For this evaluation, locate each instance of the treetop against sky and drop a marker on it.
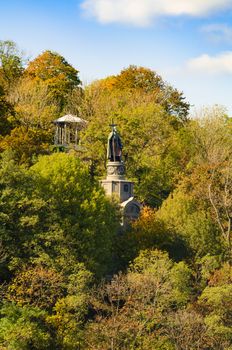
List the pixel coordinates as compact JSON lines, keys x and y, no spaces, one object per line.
{"x":188,"y":42}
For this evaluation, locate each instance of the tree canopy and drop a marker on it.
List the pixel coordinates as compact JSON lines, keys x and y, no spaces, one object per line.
{"x":70,"y":276}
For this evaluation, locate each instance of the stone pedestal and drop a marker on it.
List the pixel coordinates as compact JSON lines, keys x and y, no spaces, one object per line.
{"x":115,"y":182}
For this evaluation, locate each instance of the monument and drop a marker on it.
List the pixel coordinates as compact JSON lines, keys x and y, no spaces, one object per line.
{"x":116,"y":183}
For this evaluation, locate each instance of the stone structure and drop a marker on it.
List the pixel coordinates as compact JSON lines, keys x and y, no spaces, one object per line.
{"x":116,"y":183}
{"x":67,"y":131}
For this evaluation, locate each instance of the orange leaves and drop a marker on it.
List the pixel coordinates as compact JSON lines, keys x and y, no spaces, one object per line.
{"x":222,"y":276}
{"x":53,"y":68}
{"x":36,"y":286}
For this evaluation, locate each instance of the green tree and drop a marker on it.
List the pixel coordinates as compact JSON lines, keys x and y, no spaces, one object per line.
{"x":24,"y":328}
{"x":199,"y":209}
{"x":11,"y":63}
{"x":216,"y":303}
{"x":19,"y":212}
{"x":83,"y":212}
{"x":190,"y":219}
{"x":6,"y":113}
{"x":70,"y":312}
{"x":148,"y":84}
{"x":131,"y":309}
{"x":149,"y":232}
{"x":26,"y":143}
{"x":54,"y":212}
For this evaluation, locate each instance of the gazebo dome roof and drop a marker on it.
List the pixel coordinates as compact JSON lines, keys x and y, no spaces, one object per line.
{"x":70,"y":118}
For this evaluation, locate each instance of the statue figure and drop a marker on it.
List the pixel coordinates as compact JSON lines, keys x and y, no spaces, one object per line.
{"x":114,"y":148}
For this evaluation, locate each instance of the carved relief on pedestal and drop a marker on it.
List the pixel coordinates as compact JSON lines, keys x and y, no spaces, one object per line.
{"x":115,"y":169}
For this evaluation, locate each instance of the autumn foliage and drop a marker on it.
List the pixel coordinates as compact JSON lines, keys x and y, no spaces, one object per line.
{"x":71,"y":277}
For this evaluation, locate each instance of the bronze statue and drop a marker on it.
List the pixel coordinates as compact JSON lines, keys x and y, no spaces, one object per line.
{"x":114,"y":148}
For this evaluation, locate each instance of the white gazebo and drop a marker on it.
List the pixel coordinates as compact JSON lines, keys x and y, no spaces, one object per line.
{"x":67,"y":130}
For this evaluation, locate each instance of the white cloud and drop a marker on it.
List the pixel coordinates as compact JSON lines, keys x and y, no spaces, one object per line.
{"x":220,"y":64}
{"x":218,"y":32}
{"x":142,"y":12}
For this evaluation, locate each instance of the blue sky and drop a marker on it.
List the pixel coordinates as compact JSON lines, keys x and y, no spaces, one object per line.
{"x":188,"y":42}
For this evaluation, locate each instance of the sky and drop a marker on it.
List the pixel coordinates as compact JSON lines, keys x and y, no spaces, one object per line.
{"x":187,"y":42}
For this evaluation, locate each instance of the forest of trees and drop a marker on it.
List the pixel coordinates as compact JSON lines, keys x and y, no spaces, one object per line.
{"x":69,"y":280}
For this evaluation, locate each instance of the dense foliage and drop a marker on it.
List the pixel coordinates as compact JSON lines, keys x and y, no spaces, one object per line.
{"x":70,"y":277}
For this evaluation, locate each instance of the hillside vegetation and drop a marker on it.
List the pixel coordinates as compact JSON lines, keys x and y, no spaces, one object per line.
{"x":68,"y":279}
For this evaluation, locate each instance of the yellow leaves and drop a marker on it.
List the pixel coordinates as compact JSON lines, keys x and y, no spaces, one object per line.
{"x":25,"y":142}
{"x":35,"y":106}
{"x":54,"y":69}
{"x":36,"y":286}
{"x":147,"y":213}
{"x":29,"y":221}
{"x":149,"y":231}
{"x":107,"y":83}
{"x":69,"y":313}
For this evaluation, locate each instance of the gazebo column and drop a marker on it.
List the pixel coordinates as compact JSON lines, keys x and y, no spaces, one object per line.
{"x":76,"y":136}
{"x":65,"y":134}
{"x":62,"y":135}
{"x":59,"y":135}
{"x":68,"y":134}
{"x":56,"y":139}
